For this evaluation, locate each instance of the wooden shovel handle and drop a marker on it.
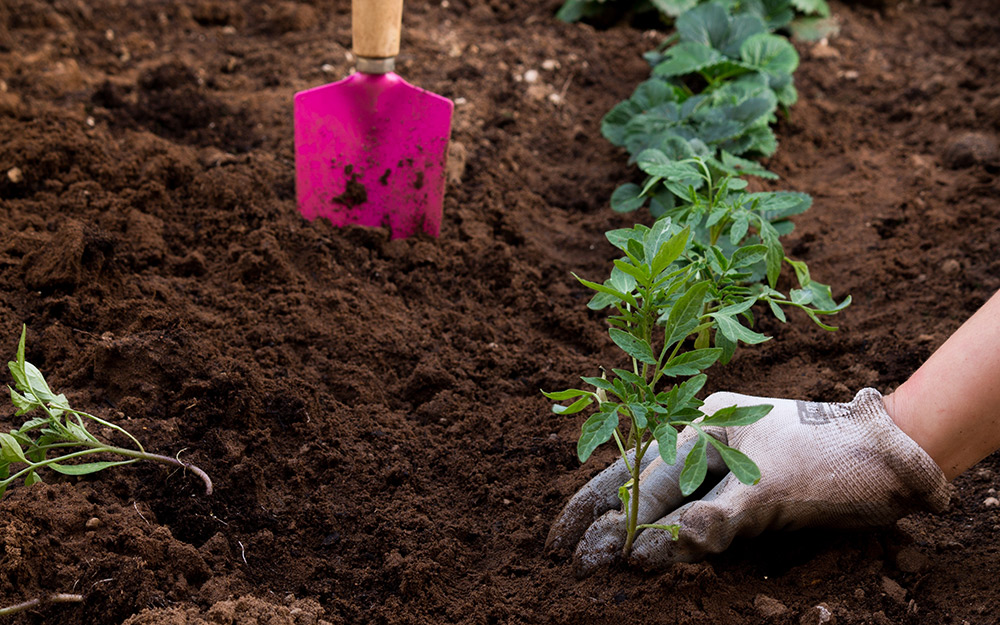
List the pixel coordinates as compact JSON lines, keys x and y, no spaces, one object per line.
{"x":376,"y":25}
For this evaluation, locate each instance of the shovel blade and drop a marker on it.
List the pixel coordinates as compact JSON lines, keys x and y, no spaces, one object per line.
{"x":371,"y":150}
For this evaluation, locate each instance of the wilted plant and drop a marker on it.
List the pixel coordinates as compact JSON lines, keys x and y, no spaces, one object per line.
{"x":60,"y":434}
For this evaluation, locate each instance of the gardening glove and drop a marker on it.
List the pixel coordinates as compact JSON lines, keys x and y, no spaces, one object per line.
{"x":821,"y":464}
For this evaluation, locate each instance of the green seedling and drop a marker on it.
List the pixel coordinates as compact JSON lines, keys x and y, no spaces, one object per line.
{"x":60,"y":434}
{"x":678,"y":305}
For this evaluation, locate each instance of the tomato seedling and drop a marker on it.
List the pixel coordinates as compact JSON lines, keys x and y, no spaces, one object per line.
{"x":679,"y":303}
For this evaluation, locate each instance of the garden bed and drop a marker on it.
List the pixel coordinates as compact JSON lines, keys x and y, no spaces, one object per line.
{"x":369,"y":409}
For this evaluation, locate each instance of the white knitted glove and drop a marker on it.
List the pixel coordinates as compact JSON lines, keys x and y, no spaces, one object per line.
{"x":832,"y":465}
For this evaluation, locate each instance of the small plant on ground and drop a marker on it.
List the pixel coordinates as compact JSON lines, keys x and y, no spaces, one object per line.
{"x":60,"y":434}
{"x":681,"y":300}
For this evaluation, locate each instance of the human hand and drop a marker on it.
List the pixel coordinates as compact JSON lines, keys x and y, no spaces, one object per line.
{"x":841,"y":465}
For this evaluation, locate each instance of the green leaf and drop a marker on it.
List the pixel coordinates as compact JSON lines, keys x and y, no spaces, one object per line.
{"x":600,"y":383}
{"x":739,"y":307}
{"x":631,"y":378}
{"x":690,"y":388}
{"x":742,"y":467}
{"x":596,"y":431}
{"x":22,"y":403}
{"x":775,"y":252}
{"x":638,"y":414}
{"x":666,"y":435}
{"x":771,"y":54}
{"x":818,"y":7}
{"x":31,"y":478}
{"x":36,"y":382}
{"x":634,"y":347}
{"x":627,"y":198}
{"x":749,"y":255}
{"x":777,"y":312}
{"x":10,"y":449}
{"x":86,"y":467}
{"x":621,"y":236}
{"x":687,"y":57}
{"x":686,"y":312}
{"x":692,"y":362}
{"x":670,"y":251}
{"x":640,"y":274}
{"x":695,"y":467}
{"x":737,"y":415}
{"x":564,"y":395}
{"x":573,"y":408}
{"x":734,"y":331}
{"x":600,"y":288}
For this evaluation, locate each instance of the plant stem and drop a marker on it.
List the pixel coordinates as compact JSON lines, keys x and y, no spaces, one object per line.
{"x":121,"y":451}
{"x":53,"y":598}
{"x":632,"y":515}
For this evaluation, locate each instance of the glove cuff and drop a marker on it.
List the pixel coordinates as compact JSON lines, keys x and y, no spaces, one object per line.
{"x":916,"y":471}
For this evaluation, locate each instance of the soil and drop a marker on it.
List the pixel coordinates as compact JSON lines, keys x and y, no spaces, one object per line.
{"x":369,"y":409}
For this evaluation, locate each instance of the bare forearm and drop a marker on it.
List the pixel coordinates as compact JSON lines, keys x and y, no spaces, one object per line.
{"x":951,"y":405}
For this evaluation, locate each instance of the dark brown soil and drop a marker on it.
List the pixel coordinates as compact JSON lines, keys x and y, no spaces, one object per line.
{"x":368,"y":408}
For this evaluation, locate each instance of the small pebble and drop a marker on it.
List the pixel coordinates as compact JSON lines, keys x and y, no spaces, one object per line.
{"x":818,"y":615}
{"x":93,"y":523}
{"x":970,"y":149}
{"x":15,"y":175}
{"x":951,"y":266}
{"x":896,"y":592}
{"x":531,"y":76}
{"x":550,"y":64}
{"x":991,"y":502}
{"x":768,"y":607}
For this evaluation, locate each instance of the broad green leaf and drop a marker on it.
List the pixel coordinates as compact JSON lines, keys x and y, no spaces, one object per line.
{"x":673,"y":8}
{"x":735,"y":331}
{"x":621,"y":236}
{"x":573,"y":408}
{"x":690,"y":388}
{"x":600,"y":288}
{"x":638,"y":414}
{"x":600,"y":301}
{"x":775,"y":252}
{"x":564,"y":395}
{"x":658,"y":234}
{"x":666,"y":435}
{"x":600,"y":383}
{"x":22,"y":403}
{"x":11,"y":449}
{"x":631,"y":378}
{"x":737,"y":415}
{"x":819,"y":7}
{"x":640,"y":273}
{"x":634,"y":347}
{"x":596,"y":431}
{"x":670,"y":251}
{"x":621,"y":281}
{"x":685,"y":312}
{"x":692,"y":362}
{"x":771,"y":54}
{"x":742,"y":467}
{"x":695,"y":467}
{"x":36,"y":382}
{"x":627,"y":198}
{"x":687,"y":57}
{"x":748,"y":255}
{"x":734,"y":309}
{"x":777,"y":312}
{"x":31,"y":478}
{"x":86,"y":467}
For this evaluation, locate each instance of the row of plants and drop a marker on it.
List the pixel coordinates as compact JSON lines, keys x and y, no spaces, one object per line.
{"x":685,"y":293}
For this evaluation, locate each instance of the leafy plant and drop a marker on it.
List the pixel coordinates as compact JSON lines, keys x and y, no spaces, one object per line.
{"x":60,"y":432}
{"x":777,"y":13}
{"x":681,"y":300}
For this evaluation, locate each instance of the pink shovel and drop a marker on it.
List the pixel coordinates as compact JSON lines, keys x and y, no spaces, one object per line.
{"x":371,"y":149}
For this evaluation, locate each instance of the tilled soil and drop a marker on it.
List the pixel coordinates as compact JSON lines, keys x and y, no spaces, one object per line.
{"x":369,"y":409}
